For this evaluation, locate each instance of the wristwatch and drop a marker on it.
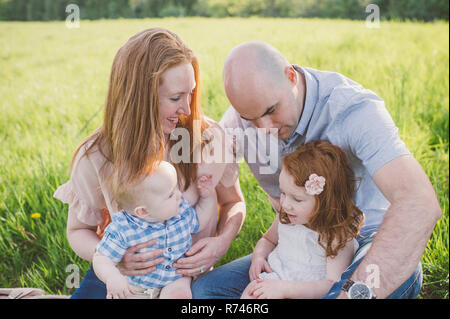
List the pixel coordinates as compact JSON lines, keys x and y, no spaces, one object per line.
{"x":358,"y":290}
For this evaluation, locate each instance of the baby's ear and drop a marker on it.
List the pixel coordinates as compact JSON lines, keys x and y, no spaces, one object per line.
{"x":140,"y":212}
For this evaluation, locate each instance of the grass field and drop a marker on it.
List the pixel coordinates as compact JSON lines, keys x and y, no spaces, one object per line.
{"x":53,"y":80}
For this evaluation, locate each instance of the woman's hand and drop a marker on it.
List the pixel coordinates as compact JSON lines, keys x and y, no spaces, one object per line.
{"x":136,"y":264}
{"x":201,"y":256}
{"x":259,"y":264}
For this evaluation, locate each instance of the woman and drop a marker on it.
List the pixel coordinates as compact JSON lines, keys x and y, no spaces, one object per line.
{"x":153,"y":89}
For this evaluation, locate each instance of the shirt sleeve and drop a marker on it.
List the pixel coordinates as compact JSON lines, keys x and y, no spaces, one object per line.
{"x":194,"y":224}
{"x":112,"y":244}
{"x":228,"y":118}
{"x":371,"y":135}
{"x":82,"y":192}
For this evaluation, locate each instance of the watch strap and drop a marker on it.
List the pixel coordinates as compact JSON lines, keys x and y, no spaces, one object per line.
{"x":347,"y":285}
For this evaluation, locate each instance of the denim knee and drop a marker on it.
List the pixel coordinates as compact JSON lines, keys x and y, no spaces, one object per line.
{"x":225,"y":282}
{"x":410,"y":289}
{"x":90,"y":287}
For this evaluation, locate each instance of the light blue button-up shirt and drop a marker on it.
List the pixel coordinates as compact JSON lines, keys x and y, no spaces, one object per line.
{"x":174,"y":238}
{"x":344,"y":113}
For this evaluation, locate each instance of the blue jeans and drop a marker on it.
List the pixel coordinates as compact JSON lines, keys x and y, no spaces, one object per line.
{"x":90,"y":287}
{"x":230,"y":280}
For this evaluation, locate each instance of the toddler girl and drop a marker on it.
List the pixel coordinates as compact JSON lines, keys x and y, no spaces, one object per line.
{"x":313,"y":238}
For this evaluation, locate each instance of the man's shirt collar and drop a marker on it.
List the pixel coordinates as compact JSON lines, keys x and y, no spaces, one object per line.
{"x":310,"y":101}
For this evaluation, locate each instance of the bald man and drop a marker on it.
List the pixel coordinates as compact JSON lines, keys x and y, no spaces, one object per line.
{"x":303,"y":104}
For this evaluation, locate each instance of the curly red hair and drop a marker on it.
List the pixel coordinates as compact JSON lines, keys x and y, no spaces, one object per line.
{"x":336,"y":217}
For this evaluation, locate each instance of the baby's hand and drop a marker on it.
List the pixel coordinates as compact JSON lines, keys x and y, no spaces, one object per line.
{"x":118,"y":288}
{"x":204,"y":185}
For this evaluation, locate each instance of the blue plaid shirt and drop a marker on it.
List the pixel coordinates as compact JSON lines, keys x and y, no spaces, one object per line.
{"x":174,"y":237}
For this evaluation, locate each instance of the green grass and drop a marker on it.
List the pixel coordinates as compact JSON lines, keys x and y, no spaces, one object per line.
{"x":54,"y":79}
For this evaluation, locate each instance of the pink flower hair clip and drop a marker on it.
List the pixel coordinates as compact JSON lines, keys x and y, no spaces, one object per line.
{"x":314,"y":185}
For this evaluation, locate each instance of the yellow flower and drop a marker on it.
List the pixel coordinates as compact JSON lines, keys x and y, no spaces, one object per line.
{"x":35,"y":215}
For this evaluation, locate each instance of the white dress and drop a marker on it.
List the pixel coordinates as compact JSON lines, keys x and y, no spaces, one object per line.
{"x":298,"y":255}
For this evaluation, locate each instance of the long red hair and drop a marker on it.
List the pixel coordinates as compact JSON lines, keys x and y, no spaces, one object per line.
{"x":336,"y":217}
{"x":131,"y":136}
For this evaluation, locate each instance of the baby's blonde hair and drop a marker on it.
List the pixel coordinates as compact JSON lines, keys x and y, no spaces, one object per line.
{"x":127,"y":197}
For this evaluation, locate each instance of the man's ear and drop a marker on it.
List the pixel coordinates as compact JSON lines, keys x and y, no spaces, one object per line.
{"x":291,"y":74}
{"x":140,"y":212}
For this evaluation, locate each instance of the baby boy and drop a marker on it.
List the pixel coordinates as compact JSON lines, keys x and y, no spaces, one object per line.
{"x":153,"y":208}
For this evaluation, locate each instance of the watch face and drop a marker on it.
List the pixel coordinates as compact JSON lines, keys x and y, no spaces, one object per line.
{"x":360,"y":291}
